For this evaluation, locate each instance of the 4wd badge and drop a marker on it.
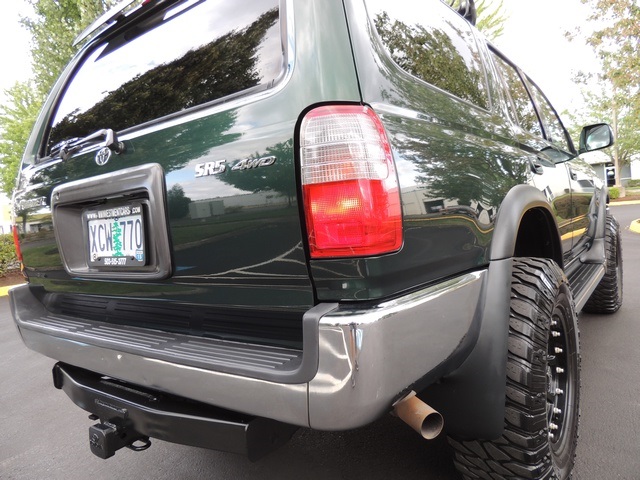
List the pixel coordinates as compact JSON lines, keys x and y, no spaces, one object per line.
{"x":220,"y":166}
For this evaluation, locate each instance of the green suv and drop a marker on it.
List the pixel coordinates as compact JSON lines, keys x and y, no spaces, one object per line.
{"x":242,"y":218}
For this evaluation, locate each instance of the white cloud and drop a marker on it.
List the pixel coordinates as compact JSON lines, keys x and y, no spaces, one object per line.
{"x":14,"y":55}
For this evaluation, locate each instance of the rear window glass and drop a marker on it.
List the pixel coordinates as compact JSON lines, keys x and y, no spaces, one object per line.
{"x":441,"y":50}
{"x":525,"y":110}
{"x":191,"y":54}
{"x":555,"y":131}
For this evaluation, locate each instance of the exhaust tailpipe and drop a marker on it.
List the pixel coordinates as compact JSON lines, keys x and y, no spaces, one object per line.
{"x":419,"y":416}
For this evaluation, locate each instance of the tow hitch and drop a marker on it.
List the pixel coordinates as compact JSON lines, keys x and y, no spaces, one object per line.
{"x":105,"y":439}
{"x":129,"y":415}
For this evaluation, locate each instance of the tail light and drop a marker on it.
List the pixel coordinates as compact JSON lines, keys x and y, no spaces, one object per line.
{"x":349,"y":185}
{"x":16,"y":242}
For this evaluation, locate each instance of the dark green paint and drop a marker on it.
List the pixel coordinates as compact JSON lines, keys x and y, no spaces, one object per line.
{"x":237,"y":233}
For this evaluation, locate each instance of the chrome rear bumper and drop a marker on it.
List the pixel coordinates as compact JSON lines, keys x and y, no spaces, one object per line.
{"x":355,"y":363}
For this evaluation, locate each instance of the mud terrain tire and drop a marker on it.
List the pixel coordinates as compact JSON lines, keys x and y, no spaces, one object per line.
{"x":607,"y":297}
{"x":543,"y":383}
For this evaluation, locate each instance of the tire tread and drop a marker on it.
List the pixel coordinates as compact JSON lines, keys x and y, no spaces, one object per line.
{"x":523,"y":451}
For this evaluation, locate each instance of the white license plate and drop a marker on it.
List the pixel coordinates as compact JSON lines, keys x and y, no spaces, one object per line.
{"x":116,"y":236}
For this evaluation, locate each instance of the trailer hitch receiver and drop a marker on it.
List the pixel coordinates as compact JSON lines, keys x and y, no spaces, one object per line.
{"x":105,"y":439}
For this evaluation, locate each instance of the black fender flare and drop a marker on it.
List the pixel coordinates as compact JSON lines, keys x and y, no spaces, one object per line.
{"x":520,"y":200}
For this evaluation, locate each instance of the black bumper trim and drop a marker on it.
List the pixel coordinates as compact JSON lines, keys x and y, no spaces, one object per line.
{"x":168,"y":417}
{"x":274,"y":364}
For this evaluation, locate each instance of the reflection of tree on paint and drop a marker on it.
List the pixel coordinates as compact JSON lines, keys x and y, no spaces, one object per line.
{"x":449,"y":163}
{"x":431,"y":56}
{"x":178,"y":202}
{"x":227,"y":65}
{"x":468,"y":173}
{"x":172,"y":148}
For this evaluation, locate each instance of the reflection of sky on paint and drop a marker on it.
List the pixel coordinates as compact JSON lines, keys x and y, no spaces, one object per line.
{"x":209,"y":188}
{"x":192,"y":29}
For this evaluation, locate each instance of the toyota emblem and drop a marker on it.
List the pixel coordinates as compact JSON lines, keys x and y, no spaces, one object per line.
{"x":103,"y":156}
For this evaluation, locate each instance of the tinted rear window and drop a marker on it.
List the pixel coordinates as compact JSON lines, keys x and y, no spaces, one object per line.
{"x":187,"y":56}
{"x":439,"y":49}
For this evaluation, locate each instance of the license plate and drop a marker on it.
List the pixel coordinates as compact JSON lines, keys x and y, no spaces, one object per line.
{"x":116,"y":236}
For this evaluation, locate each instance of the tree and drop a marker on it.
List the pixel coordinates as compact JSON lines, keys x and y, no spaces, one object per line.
{"x":53,"y":27}
{"x":16,"y":120}
{"x":490,"y":16}
{"x":616,"y":95}
{"x":606,"y":102}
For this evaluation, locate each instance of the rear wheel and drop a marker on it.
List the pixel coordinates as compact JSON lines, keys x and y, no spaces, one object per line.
{"x":607,"y":297}
{"x":543,"y":381}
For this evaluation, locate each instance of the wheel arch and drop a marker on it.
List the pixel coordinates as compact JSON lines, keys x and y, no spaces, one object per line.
{"x":526,"y":227}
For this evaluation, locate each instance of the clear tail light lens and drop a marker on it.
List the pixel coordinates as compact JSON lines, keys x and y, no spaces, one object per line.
{"x":350,"y":189}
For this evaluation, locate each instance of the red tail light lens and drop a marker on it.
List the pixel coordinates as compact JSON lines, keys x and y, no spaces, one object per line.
{"x":16,"y":242}
{"x":350,"y":189}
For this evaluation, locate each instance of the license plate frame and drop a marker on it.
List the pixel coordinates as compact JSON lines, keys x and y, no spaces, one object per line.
{"x":142,"y":184}
{"x":115,"y":237}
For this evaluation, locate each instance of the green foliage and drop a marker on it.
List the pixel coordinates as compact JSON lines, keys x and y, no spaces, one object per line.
{"x":633,"y":183}
{"x":491,"y":18}
{"x":616,"y":99}
{"x":614,"y":192}
{"x":53,"y":27}
{"x":7,"y":253}
{"x":17,"y":117}
{"x":617,"y":39}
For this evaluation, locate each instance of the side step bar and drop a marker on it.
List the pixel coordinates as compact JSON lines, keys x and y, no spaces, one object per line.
{"x":130,"y":414}
{"x":584,"y":280}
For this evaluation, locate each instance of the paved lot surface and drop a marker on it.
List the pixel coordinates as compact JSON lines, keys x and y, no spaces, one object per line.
{"x":44,"y":436}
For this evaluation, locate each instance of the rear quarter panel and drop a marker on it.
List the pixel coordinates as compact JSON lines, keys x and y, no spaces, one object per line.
{"x":455,"y":162}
